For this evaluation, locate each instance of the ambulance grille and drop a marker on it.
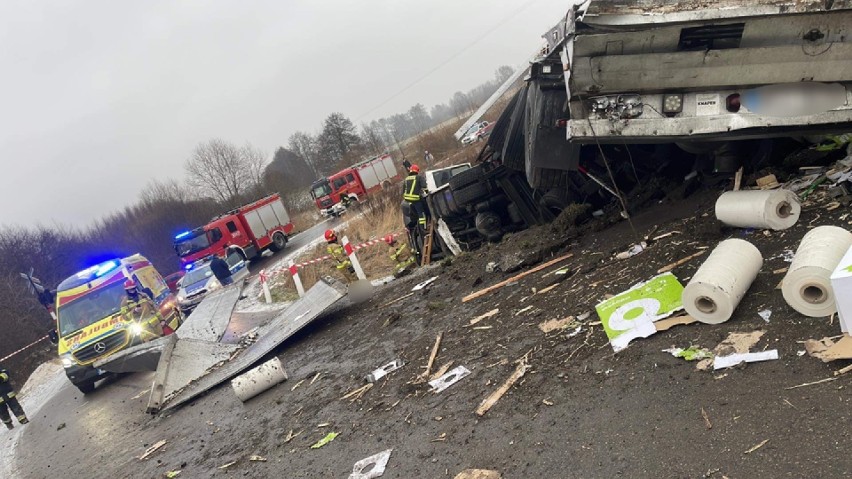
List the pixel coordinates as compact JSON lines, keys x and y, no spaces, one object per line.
{"x":100,"y":348}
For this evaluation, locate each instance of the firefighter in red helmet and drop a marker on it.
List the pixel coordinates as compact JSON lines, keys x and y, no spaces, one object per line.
{"x":336,"y":251}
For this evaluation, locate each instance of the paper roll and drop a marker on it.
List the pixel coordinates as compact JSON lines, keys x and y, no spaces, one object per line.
{"x":807,"y":285}
{"x":772,"y":209}
{"x":721,"y":282}
{"x":259,"y":379}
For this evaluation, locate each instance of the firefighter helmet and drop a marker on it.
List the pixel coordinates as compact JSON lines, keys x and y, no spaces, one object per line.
{"x":389,"y":239}
{"x":130,"y":284}
{"x":330,"y":236}
{"x":414,"y":169}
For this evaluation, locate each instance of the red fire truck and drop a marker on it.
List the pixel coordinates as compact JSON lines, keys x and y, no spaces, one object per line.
{"x":252,"y":228}
{"x":354,"y":183}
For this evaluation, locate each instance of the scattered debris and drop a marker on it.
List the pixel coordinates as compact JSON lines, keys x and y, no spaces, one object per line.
{"x":424,"y":284}
{"x":371,"y":467}
{"x":291,"y":436}
{"x":765,"y":314}
{"x":666,"y":324}
{"x":384,"y":370}
{"x":843,"y":370}
{"x":706,"y":419}
{"x":357,"y":393}
{"x":631,"y":314}
{"x":449,"y":379}
{"x":398,"y":299}
{"x":172,"y":474}
{"x":721,"y":362}
{"x":735,"y":343}
{"x":225,"y":466}
{"x":768,"y":182}
{"x":325,"y":440}
{"x":680,"y":262}
{"x":478,"y":474}
{"x":297,"y":384}
{"x":495,"y":396}
{"x":151,"y":450}
{"x":256,"y":458}
{"x":432,"y":355}
{"x":61,"y":426}
{"x":524,"y":310}
{"x":515,"y":278}
{"x":763,"y":443}
{"x":830,"y":349}
{"x":441,"y":371}
{"x":632,"y":251}
{"x":491,"y":267}
{"x":484,"y":316}
{"x":547,"y":402}
{"x":692,"y":353}
{"x":553,"y":324}
{"x":804,"y":385}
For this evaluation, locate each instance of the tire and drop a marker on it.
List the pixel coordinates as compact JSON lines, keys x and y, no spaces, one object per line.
{"x":470,"y":194}
{"x":279,"y":241}
{"x":489,"y":225}
{"x":467,"y":177}
{"x":86,"y":387}
{"x":555,"y":200}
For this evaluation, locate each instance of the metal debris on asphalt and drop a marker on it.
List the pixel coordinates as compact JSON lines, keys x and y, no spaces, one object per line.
{"x":371,"y":467}
{"x":448,"y":379}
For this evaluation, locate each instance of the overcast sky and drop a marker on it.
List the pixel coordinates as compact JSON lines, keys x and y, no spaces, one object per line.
{"x":99,"y":97}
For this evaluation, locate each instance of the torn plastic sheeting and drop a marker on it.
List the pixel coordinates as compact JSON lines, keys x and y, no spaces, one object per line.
{"x":376,"y":464}
{"x":631,"y":314}
{"x":447,"y":380}
{"x":721,"y":362}
{"x":320,"y":298}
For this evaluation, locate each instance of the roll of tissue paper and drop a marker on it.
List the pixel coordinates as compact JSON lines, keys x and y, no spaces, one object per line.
{"x":807,"y":285}
{"x":721,"y":282}
{"x":772,"y":209}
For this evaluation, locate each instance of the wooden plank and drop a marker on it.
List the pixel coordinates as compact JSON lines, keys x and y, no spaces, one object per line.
{"x":492,"y":399}
{"x":680,"y":262}
{"x":499,"y":285}
{"x":434,"y":353}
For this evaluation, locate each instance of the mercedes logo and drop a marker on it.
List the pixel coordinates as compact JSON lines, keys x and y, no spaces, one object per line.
{"x":100,"y":347}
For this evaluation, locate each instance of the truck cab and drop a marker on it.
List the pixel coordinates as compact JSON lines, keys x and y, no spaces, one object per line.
{"x":96,"y":318}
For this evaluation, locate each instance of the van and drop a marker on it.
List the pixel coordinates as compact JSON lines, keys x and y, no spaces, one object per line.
{"x":95,"y":318}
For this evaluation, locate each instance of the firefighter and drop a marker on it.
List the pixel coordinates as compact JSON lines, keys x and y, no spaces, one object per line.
{"x":412,"y":192}
{"x":8,"y":400}
{"x":138,"y":306}
{"x":401,"y":254}
{"x":336,"y":251}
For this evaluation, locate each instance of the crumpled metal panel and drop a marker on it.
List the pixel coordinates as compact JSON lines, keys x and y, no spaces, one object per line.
{"x":209,"y":320}
{"x":319,"y":299}
{"x":142,"y":357}
{"x":638,"y":7}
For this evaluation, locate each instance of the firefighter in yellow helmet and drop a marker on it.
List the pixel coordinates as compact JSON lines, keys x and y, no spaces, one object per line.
{"x":401,"y":254}
{"x":336,"y":251}
{"x":412,"y":192}
{"x":9,"y":400}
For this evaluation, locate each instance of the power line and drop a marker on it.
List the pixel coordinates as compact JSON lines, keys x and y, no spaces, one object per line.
{"x":448,"y":60}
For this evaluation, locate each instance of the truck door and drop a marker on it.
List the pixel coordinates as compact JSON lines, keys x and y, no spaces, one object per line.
{"x":237,"y":236}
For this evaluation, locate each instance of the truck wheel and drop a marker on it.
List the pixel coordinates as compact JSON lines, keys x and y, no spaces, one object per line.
{"x":86,"y":387}
{"x":470,"y":194}
{"x":489,"y":225}
{"x":464,"y":178}
{"x":278,"y":242}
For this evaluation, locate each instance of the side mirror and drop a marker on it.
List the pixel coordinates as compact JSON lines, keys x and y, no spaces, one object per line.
{"x":53,"y":336}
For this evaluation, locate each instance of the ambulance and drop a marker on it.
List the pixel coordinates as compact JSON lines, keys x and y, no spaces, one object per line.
{"x":97,"y":318}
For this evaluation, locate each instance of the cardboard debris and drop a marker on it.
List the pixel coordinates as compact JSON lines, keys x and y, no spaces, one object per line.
{"x":735,"y":343}
{"x":631,"y":314}
{"x":484,"y":316}
{"x":553,"y":324}
{"x":478,"y":474}
{"x":151,"y":450}
{"x":830,"y":349}
{"x":721,"y":362}
{"x":666,"y":324}
{"x":449,"y":379}
{"x":374,"y":466}
{"x":495,"y":396}
{"x":692,"y":353}
{"x":768,"y":182}
{"x":325,"y":440}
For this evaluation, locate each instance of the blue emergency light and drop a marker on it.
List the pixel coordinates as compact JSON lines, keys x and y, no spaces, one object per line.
{"x":188,"y":267}
{"x":182,"y":235}
{"x":105,"y":268}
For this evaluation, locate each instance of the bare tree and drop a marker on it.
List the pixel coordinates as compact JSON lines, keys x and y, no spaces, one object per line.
{"x":224,"y":171}
{"x":419,"y":118}
{"x":502,"y":73}
{"x":371,"y":137}
{"x":169,"y":191}
{"x":304,"y":145}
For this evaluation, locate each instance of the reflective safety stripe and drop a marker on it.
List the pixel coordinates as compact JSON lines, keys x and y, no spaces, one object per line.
{"x":11,"y":395}
{"x":422,"y":220}
{"x":409,"y":194}
{"x":4,"y":377}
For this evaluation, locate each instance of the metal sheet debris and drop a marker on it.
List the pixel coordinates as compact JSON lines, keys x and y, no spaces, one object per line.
{"x":447,"y":380}
{"x":142,"y":357}
{"x":321,"y":297}
{"x":424,"y":284}
{"x":384,"y":370}
{"x":374,"y":465}
{"x":721,"y":362}
{"x":210,"y":319}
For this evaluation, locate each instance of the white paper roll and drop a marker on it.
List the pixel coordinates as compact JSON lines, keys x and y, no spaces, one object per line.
{"x":773,"y":209}
{"x":259,"y":379}
{"x":807,"y":285}
{"x":721,"y":282}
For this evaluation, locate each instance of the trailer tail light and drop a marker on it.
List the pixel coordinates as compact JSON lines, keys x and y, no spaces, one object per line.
{"x":562,"y":123}
{"x":733,"y":103}
{"x":672,"y":104}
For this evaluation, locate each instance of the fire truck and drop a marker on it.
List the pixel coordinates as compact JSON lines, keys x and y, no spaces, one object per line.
{"x":353,"y":183}
{"x":252,"y":228}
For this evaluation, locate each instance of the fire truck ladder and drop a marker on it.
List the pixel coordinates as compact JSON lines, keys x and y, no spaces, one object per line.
{"x":427,"y":244}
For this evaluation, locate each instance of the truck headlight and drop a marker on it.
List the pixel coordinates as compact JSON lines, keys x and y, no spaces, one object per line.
{"x":67,"y":362}
{"x":181,"y":299}
{"x":136,"y":329}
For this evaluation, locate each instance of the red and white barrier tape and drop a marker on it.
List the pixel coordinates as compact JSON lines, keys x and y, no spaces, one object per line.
{"x":28,"y":346}
{"x":349,"y":248}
